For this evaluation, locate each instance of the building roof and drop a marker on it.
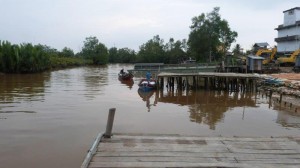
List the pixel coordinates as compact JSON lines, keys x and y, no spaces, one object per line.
{"x":263,"y":44}
{"x":298,"y":8}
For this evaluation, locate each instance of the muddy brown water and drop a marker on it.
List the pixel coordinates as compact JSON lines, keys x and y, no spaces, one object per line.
{"x":51,"y":119}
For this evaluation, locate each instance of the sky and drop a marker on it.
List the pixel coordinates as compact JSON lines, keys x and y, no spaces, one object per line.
{"x":131,"y":23}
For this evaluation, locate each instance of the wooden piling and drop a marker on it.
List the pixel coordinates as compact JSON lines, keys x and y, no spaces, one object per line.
{"x":280,"y":99}
{"x":110,"y":122}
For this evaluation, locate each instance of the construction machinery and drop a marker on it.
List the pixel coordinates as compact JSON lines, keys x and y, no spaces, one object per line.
{"x":268,"y":54}
{"x":297,"y":65}
{"x":289,"y":59}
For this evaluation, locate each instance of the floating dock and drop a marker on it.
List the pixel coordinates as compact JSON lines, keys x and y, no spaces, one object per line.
{"x":139,"y":150}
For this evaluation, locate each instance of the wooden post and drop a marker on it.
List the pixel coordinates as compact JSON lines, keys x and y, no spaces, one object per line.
{"x":206,"y":83}
{"x":162,"y":83}
{"x":270,"y":98}
{"x":110,"y":122}
{"x":280,"y":99}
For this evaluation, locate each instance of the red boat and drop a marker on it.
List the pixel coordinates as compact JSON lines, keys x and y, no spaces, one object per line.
{"x":125,"y":75}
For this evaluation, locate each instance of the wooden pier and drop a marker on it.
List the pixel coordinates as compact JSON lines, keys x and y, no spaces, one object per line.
{"x":138,"y":150}
{"x":152,"y":150}
{"x":208,"y":81}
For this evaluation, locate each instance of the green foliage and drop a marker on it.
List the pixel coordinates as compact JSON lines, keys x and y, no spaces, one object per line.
{"x":113,"y":55}
{"x":126,"y":55}
{"x":123,"y":55}
{"x":210,"y":35}
{"x":152,"y":51}
{"x":24,"y":58}
{"x":237,"y":50}
{"x":95,"y":51}
{"x":27,"y":58}
{"x":174,"y":51}
{"x":63,"y":62}
{"x":67,"y":52}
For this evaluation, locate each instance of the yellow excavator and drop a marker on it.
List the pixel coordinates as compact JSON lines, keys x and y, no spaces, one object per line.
{"x":268,"y":54}
{"x":289,"y":59}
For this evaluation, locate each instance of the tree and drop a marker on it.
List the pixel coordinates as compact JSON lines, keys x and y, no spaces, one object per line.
{"x":126,"y":55}
{"x":174,"y":51}
{"x":152,"y":51}
{"x":67,"y":52}
{"x":210,"y":35}
{"x":237,"y":49}
{"x":95,"y":51}
{"x":227,"y":37}
{"x":113,"y":55}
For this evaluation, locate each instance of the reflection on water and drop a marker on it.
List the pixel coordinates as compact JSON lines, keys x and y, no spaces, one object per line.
{"x":95,"y":78}
{"x":208,"y":107}
{"x":288,"y":115}
{"x":146,"y":95}
{"x":287,"y":119}
{"x":128,"y":83}
{"x":15,"y":88}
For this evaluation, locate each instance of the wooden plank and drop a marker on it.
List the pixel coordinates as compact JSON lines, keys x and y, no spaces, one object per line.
{"x":254,"y":139}
{"x":141,"y":150}
{"x":182,"y":164}
{"x":192,"y":159}
{"x":165,"y":149}
{"x":159,"y":153}
{"x":160,"y":164}
{"x":197,"y":158}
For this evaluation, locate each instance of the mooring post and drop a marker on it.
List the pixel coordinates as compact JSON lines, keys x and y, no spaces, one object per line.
{"x":280,"y":99}
{"x":110,"y":122}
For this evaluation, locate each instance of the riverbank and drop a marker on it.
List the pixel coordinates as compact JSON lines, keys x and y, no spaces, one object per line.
{"x":283,"y":83}
{"x":285,"y":90}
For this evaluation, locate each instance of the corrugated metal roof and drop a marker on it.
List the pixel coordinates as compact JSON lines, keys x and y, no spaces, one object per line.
{"x":261,"y":44}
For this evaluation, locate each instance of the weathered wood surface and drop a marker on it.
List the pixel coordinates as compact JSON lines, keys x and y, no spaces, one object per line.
{"x":125,"y":150}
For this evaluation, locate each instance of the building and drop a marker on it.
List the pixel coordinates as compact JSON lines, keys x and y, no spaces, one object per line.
{"x":288,"y":39}
{"x":254,"y":63}
{"x":263,"y":45}
{"x":258,"y":46}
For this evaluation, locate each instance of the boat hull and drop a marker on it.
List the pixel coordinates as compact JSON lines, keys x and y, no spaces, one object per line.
{"x":125,"y":76}
{"x":147,"y":85}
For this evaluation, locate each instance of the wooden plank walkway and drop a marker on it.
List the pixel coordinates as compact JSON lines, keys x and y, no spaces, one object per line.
{"x":138,"y":150}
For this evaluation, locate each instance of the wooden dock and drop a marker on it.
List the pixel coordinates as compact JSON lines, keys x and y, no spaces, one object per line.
{"x":139,"y":150}
{"x":208,"y":81}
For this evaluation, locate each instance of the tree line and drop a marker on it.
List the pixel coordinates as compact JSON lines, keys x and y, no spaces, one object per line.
{"x":209,"y":40}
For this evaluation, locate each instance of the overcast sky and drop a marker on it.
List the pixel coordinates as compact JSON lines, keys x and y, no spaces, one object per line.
{"x":131,"y":23}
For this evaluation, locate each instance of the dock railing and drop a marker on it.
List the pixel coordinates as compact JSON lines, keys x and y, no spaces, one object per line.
{"x":107,"y":134}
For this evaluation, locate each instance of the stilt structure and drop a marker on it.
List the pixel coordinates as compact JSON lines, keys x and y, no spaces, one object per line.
{"x":208,"y":81}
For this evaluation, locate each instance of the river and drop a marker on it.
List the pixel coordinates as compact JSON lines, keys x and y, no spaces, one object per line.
{"x":51,"y":119}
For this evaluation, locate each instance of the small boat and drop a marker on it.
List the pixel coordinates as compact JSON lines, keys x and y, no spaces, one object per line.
{"x":125,"y":75}
{"x":147,"y":85}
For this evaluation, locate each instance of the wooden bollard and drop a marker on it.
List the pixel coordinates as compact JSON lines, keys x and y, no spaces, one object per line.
{"x":110,"y":122}
{"x":280,"y":99}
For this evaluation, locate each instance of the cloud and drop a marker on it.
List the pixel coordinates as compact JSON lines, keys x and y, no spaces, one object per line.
{"x":130,"y":23}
